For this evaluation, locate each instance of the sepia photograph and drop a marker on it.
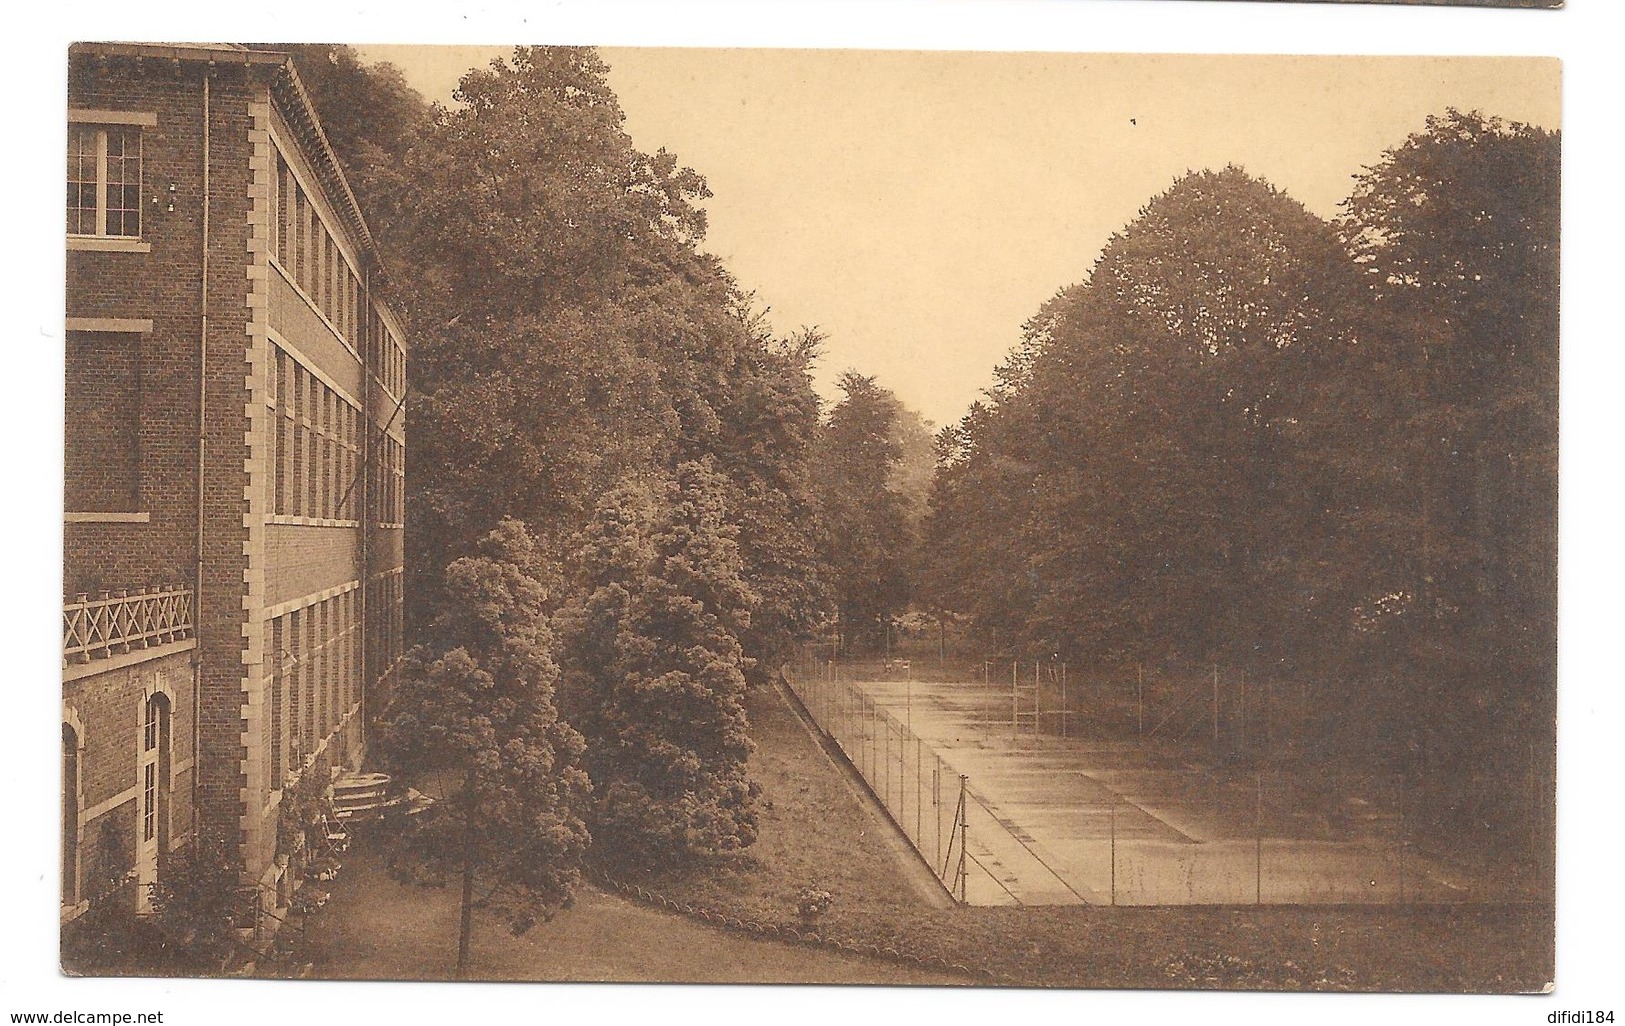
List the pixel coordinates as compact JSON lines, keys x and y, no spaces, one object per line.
{"x":956,"y":519}
{"x":908,"y":511}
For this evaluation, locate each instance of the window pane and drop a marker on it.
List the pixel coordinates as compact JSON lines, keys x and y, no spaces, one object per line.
{"x":149,"y":802}
{"x":82,"y":179}
{"x":123,"y":181}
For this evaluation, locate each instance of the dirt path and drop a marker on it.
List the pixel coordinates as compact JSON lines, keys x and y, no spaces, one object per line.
{"x":378,"y":928}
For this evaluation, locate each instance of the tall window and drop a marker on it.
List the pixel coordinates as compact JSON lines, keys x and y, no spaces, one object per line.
{"x":153,"y":769}
{"x":149,"y":769}
{"x":70,"y":815}
{"x":104,"y":180}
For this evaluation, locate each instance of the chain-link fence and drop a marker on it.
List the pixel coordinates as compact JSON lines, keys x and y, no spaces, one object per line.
{"x":1180,"y":835}
{"x":925,"y":797}
{"x":1154,"y":793}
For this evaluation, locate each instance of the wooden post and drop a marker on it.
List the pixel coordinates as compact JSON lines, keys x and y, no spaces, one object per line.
{"x":902,"y":783}
{"x":936,"y":805}
{"x":919,"y":800}
{"x":1038,"y":702}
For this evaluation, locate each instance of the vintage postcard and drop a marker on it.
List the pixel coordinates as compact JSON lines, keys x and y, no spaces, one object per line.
{"x":969,"y":519}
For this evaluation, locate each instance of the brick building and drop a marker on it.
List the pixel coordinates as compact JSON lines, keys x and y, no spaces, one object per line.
{"x":235,"y":461}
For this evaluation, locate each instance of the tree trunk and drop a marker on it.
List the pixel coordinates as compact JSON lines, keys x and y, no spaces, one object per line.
{"x":466,"y":927}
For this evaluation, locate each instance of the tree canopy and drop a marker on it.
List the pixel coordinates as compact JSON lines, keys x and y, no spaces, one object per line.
{"x":472,"y":722}
{"x":567,"y":332}
{"x":868,"y":519}
{"x":655,"y":671}
{"x":1323,"y":452}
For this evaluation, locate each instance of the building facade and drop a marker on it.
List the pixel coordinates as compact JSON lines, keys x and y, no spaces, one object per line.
{"x":235,"y":468}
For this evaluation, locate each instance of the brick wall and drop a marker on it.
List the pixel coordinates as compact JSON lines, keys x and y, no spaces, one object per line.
{"x":254,"y":559}
{"x":102,"y":422}
{"x":106,"y":712}
{"x":163,"y":285}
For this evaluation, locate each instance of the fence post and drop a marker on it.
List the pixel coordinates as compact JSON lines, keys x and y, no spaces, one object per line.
{"x":964,"y":833}
{"x":1258,"y":837}
{"x":1038,"y":701}
{"x":887,"y":763}
{"x":875,"y":763}
{"x":1139,"y":693}
{"x":1114,"y":849}
{"x":919,"y":801}
{"x":902,"y":804}
{"x":1063,"y":701}
{"x":936,"y":805}
{"x":1215,"y":705}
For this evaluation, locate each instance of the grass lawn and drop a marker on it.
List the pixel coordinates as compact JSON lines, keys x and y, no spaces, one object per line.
{"x":817,"y":832}
{"x":377,"y":928}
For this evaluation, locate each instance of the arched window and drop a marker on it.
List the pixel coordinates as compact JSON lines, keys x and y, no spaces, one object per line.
{"x":153,"y":779}
{"x":70,"y":815}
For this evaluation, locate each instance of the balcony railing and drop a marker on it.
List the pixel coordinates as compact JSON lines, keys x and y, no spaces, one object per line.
{"x":113,"y":623}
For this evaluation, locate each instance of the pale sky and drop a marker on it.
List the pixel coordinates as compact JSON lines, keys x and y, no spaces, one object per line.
{"x":919,"y":206}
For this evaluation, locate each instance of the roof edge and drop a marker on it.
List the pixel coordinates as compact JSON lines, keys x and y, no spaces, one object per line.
{"x":203,"y":52}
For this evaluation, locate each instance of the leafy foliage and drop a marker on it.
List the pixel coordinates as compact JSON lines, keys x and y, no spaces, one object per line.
{"x":473,"y":723}
{"x":869,"y":540}
{"x":655,"y":673}
{"x":196,"y":902}
{"x":1457,"y":231}
{"x":1323,"y":452}
{"x":568,"y":334}
{"x":1141,"y":439}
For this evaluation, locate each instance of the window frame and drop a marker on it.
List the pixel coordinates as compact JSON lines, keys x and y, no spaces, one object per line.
{"x":101,"y":121}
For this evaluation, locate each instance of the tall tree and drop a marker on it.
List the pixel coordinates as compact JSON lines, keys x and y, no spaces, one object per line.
{"x":1457,"y":229}
{"x":1142,"y":443}
{"x":867,"y":542}
{"x":975,"y":532}
{"x":567,"y":331}
{"x":472,"y":723}
{"x":372,"y":118}
{"x":767,"y":432}
{"x":654,"y":666}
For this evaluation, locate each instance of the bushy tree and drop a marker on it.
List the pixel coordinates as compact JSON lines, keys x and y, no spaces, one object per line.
{"x":655,"y":673}
{"x":984,"y":469}
{"x":765,"y":447}
{"x":867,"y":545}
{"x":472,"y":723}
{"x":196,"y":903}
{"x":1457,"y":231}
{"x":567,"y":332}
{"x":1138,"y":454}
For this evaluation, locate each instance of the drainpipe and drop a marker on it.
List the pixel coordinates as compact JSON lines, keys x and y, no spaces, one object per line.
{"x":202,"y":422}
